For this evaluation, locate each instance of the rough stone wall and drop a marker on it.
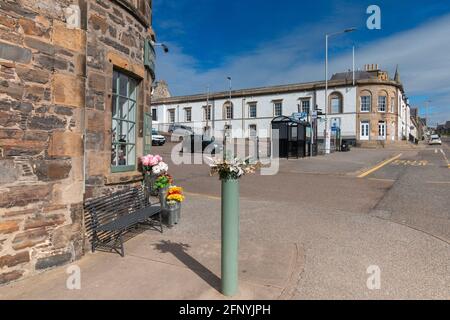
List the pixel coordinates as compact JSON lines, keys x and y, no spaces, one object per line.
{"x":161,"y":90}
{"x":115,"y":40}
{"x":56,"y":64}
{"x":41,"y":101}
{"x":374,"y":116}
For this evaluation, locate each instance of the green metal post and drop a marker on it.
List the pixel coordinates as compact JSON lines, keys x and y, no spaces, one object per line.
{"x":230,"y":236}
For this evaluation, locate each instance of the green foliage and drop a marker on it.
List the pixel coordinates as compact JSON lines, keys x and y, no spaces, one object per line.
{"x":163,"y":181}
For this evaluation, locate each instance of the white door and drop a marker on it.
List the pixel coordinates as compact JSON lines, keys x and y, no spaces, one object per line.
{"x":382,"y":131}
{"x":364,"y":131}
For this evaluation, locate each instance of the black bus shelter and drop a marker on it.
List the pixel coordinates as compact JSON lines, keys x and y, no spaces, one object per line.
{"x":293,"y":141}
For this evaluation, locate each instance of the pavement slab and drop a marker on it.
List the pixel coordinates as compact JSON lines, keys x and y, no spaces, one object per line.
{"x":167,"y":267}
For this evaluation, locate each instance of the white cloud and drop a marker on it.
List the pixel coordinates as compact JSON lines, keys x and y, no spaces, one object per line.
{"x":422,"y":54}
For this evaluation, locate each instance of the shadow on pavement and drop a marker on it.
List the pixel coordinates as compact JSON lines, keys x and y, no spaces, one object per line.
{"x":179,"y":251}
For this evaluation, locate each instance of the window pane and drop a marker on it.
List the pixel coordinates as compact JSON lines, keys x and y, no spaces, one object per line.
{"x":133,"y":89}
{"x":115,"y":131}
{"x":123,"y":108}
{"x":121,"y":151}
{"x":335,"y":105}
{"x":131,"y":155}
{"x":131,"y":111}
{"x":131,"y":138}
{"x":114,"y":155}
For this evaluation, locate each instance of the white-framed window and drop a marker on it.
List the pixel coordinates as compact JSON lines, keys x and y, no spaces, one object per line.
{"x":228,"y":111}
{"x":277,"y":108}
{"x":155,"y":114}
{"x":305,"y":105}
{"x":336,"y":103}
{"x":381,"y":130}
{"x":381,"y":103}
{"x":252,"y":132}
{"x":123,"y":129}
{"x":188,"y":114}
{"x":365,"y":103}
{"x":171,"y":115}
{"x":252,"y":110}
{"x":207,"y":113}
{"x":364,"y":130}
{"x":392,"y":105}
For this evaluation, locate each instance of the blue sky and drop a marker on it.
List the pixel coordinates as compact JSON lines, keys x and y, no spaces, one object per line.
{"x":260,"y":42}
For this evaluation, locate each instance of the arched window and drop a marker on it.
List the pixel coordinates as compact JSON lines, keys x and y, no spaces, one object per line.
{"x":228,"y":112}
{"x":336,"y":102}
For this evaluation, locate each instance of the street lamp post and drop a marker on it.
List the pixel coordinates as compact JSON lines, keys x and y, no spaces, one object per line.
{"x":327,"y":131}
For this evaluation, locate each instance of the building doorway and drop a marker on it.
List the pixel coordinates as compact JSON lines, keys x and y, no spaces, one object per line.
{"x":365,"y":131}
{"x":381,"y":130}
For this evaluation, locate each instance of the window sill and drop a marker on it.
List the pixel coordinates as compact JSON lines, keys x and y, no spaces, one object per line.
{"x":123,"y":177}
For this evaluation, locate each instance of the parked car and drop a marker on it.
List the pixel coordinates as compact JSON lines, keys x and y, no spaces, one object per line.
{"x":435,"y":139}
{"x":192,"y":144}
{"x":157,"y":139}
{"x":179,"y":131}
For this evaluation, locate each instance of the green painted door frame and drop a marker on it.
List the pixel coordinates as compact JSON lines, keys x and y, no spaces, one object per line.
{"x":147,"y":133}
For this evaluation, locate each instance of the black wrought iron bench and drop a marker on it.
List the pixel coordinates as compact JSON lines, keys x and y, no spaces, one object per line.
{"x":111,"y":216}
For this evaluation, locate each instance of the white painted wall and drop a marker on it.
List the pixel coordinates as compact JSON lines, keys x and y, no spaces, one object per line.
{"x":265,"y":112}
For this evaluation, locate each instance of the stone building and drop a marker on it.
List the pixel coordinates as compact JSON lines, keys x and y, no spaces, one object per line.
{"x":370,"y":109}
{"x":75,"y":115}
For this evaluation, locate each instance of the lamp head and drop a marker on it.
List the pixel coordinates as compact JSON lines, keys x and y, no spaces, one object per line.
{"x":349,"y":30}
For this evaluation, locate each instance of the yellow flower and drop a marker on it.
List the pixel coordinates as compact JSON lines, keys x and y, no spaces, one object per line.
{"x":175,"y":197}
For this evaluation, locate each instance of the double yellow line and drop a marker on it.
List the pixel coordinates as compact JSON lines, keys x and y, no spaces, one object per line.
{"x":379,"y":166}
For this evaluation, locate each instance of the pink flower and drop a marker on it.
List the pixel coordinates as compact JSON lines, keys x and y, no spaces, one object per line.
{"x":151,"y":160}
{"x":146,"y":160}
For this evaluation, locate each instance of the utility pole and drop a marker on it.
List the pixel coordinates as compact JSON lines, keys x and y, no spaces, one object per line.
{"x":353,"y":65}
{"x":327,"y":131}
{"x":207,"y":111}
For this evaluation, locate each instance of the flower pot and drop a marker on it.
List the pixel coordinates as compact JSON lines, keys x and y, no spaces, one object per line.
{"x":171,"y":214}
{"x":162,"y":196}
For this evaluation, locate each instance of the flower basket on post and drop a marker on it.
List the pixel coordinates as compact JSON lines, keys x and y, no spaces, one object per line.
{"x":229,"y":172}
{"x":172,"y":209}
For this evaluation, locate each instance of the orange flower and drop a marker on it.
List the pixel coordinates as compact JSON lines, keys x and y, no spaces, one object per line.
{"x":175,"y":190}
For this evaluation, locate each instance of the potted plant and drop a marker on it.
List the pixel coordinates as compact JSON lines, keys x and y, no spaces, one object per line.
{"x":162,"y":184}
{"x":152,"y":166}
{"x":172,"y":211}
